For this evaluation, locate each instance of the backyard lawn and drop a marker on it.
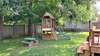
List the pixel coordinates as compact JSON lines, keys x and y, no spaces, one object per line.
{"x":60,"y":47}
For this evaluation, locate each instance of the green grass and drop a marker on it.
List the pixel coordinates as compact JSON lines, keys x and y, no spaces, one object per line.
{"x":60,"y":47}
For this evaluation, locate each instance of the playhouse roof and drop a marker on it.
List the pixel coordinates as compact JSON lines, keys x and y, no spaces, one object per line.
{"x":48,"y":14}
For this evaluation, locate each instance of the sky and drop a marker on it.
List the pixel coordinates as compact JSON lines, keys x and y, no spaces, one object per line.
{"x":97,"y":5}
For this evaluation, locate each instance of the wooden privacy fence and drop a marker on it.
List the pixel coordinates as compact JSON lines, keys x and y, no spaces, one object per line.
{"x":9,"y":31}
{"x":17,"y":30}
{"x":76,"y":27}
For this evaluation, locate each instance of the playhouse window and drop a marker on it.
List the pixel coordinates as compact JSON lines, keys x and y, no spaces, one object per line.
{"x":97,"y":39}
{"x":48,"y":22}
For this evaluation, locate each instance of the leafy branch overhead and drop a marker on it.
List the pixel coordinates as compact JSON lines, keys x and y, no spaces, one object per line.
{"x":70,"y":10}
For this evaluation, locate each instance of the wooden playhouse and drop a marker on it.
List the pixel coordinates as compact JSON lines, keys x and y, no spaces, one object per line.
{"x":48,"y":27}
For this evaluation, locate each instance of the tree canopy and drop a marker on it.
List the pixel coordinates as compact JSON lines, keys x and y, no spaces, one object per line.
{"x":67,"y":10}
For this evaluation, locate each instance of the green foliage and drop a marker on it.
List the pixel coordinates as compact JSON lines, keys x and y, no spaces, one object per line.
{"x":78,"y":10}
{"x":83,"y":13}
{"x":70,"y":10}
{"x":61,"y":21}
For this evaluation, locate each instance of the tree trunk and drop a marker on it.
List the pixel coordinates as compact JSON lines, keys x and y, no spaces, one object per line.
{"x":30,"y":19}
{"x":35,"y":30}
{"x":1,"y":26}
{"x":14,"y":30}
{"x":1,"y":20}
{"x":29,"y":27}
